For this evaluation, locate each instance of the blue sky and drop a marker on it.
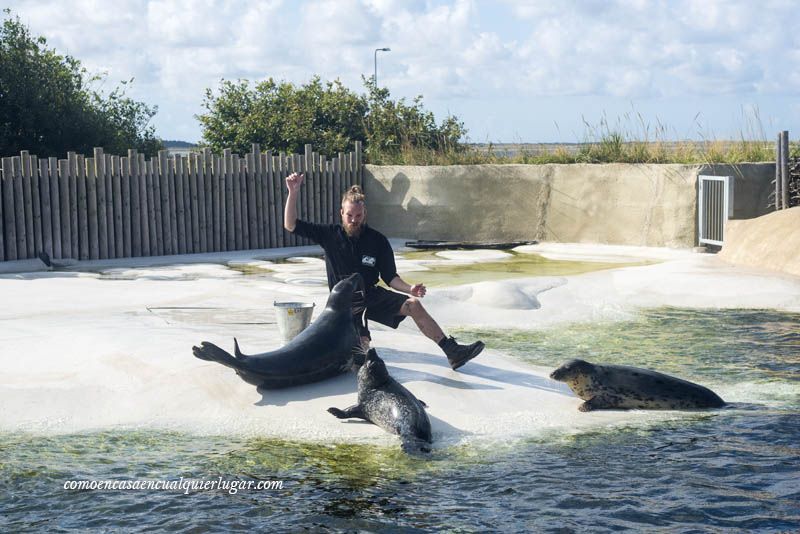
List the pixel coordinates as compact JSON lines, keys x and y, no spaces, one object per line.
{"x":513,"y":71}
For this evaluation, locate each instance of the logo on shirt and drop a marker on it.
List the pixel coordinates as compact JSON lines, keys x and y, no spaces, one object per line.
{"x":368,"y":261}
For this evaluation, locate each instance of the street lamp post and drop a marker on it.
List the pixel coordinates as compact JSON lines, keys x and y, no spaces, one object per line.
{"x":375,"y":78}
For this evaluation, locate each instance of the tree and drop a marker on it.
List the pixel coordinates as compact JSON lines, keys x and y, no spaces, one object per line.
{"x":393,"y":127}
{"x":282,"y":117}
{"x":48,"y":106}
{"x":329,"y":116}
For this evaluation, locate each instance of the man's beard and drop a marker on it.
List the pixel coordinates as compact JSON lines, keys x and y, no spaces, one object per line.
{"x":353,"y":230}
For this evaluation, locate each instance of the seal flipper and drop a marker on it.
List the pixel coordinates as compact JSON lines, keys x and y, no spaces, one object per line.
{"x":212,"y":353}
{"x":600,"y":402}
{"x":353,"y":412}
{"x":236,"y":350}
{"x":411,"y":445}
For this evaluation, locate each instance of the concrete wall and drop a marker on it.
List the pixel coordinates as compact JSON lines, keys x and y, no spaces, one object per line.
{"x":652,"y":205}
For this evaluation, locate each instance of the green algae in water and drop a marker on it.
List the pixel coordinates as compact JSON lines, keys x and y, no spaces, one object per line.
{"x":451,"y":272}
{"x":250,"y":269}
{"x":717,"y":345}
{"x":519,"y":265}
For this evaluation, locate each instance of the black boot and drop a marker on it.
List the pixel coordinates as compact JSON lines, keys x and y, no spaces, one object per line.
{"x":457,"y":354}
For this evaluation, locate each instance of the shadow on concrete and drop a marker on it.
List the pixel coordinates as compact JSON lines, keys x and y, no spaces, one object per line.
{"x":338,"y":385}
{"x":473,"y":368}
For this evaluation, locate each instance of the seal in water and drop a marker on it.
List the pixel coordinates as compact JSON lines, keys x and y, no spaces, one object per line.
{"x":384,"y":402}
{"x":619,"y":387}
{"x":325,"y":349}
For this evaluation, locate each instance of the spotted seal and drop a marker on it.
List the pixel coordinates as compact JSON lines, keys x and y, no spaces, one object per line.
{"x":384,"y":402}
{"x":325,"y":349}
{"x":619,"y":387}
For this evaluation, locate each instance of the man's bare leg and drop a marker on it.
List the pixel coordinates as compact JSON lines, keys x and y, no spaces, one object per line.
{"x":456,"y":354}
{"x":426,"y":324}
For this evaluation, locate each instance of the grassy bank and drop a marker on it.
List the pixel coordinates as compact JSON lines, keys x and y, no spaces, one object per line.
{"x":613,"y":148}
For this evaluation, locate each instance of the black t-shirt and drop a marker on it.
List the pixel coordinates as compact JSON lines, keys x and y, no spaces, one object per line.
{"x":369,"y":254}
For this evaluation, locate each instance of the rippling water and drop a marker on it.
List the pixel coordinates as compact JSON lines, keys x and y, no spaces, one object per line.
{"x":731,"y":469}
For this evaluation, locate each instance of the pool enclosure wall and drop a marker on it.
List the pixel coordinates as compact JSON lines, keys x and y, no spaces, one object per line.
{"x":622,"y":204}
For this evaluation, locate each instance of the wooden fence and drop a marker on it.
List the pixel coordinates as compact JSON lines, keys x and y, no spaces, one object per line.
{"x":114,"y":207}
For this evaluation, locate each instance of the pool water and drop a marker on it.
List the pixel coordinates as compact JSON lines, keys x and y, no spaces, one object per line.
{"x":735,"y":469}
{"x":442,"y":272}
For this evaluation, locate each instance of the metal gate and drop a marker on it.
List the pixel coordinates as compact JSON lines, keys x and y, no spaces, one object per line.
{"x":714,"y":207}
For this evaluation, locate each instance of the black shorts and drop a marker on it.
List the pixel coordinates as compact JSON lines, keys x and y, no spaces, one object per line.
{"x":382,"y":306}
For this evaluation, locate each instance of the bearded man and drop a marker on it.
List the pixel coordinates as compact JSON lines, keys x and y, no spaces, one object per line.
{"x":352,"y":247}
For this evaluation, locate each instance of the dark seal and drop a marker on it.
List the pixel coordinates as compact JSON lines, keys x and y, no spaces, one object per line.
{"x":387,"y":404}
{"x":323,"y":350}
{"x":619,"y":387}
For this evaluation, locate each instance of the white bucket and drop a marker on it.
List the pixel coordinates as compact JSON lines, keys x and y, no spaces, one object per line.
{"x":293,"y":318}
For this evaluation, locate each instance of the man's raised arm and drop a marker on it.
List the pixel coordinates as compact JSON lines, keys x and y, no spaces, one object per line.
{"x":293,"y":183}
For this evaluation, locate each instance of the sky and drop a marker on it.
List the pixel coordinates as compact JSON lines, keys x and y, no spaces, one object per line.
{"x":512,"y":70}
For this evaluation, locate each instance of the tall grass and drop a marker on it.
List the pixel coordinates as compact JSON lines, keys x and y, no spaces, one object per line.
{"x":630,"y":139}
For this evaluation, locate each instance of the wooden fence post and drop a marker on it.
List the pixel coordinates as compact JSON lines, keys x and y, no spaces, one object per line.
{"x":24,"y":173}
{"x":144,"y":205}
{"x":116,"y":240}
{"x":19,"y":203}
{"x":162,"y":215}
{"x":257,"y":177}
{"x":91,"y":194}
{"x":359,"y":166}
{"x":180,"y":209}
{"x":219,"y":203}
{"x":158,"y":205}
{"x":110,"y":206}
{"x":102,"y":215}
{"x":47,"y":210}
{"x":64,"y":208}
{"x":72,"y":179}
{"x":55,"y":206}
{"x":36,"y":200}
{"x":208,"y":171}
{"x":136,"y":207}
{"x":237,"y":239}
{"x":194,"y":201}
{"x":83,"y":207}
{"x":311,"y":183}
{"x":229,"y":240}
{"x":153,"y":205}
{"x":276,"y":233}
{"x":200,"y":209}
{"x":186,"y":178}
{"x":251,"y":177}
{"x":8,"y":209}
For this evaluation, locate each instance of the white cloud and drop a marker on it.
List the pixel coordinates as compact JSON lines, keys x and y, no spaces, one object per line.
{"x":474,"y":51}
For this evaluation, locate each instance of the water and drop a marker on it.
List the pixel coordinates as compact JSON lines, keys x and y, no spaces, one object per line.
{"x":735,"y":469}
{"x":445,"y":272}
